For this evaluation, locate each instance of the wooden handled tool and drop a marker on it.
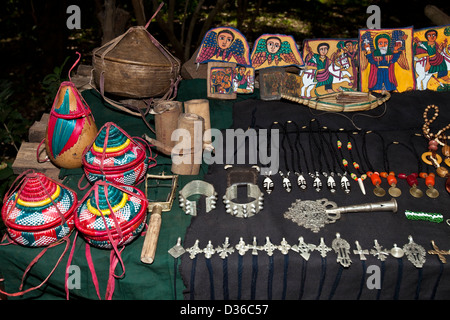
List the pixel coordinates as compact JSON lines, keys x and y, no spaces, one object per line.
{"x":154,"y":224}
{"x":152,"y":235}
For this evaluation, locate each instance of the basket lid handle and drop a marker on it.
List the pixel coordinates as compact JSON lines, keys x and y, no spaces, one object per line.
{"x":154,"y":15}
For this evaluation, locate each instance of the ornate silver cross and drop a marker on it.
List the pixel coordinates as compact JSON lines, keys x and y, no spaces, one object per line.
{"x":415,"y":253}
{"x":284,"y":247}
{"x":194,"y":250}
{"x":379,"y":252}
{"x":342,"y":249}
{"x":209,"y":250}
{"x":304,"y":249}
{"x":225,"y":250}
{"x":323,"y":248}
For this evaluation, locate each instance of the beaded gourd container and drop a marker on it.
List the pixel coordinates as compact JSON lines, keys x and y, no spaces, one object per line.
{"x":116,"y":157}
{"x":38,"y":211}
{"x":70,"y":129}
{"x":110,"y":215}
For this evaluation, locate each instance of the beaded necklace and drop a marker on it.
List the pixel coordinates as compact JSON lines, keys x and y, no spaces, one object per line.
{"x":434,"y":140}
{"x":411,"y":179}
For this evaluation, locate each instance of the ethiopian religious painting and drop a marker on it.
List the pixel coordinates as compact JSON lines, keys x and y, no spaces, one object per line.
{"x":275,"y":50}
{"x":224,"y":44}
{"x":220,"y":80}
{"x":331,"y":65}
{"x":386,"y":60}
{"x":244,"y":79}
{"x":432,"y":58}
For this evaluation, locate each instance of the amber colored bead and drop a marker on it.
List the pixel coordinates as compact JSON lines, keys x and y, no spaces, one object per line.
{"x":391,"y":179}
{"x":375,"y":177}
{"x":383,"y":174}
{"x":442,"y":172}
{"x":423,"y":175}
{"x":369,"y":173}
{"x":429,"y":180}
{"x":446,"y":151}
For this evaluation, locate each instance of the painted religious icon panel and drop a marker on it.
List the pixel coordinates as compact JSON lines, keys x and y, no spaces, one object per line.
{"x":431,"y":50}
{"x":331,"y":65}
{"x":224,"y":44}
{"x":275,"y":50}
{"x":386,"y":60}
{"x":220,"y":80}
{"x":244,"y":79}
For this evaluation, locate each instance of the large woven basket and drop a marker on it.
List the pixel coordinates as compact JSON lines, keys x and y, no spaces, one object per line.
{"x":38,"y":211}
{"x":135,"y":65}
{"x":110,"y":215}
{"x":117,"y":157}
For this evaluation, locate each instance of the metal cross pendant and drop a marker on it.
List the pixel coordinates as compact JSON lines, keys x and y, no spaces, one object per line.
{"x":440,"y":253}
{"x":254,"y":247}
{"x":323,"y":248}
{"x":379,"y":252}
{"x":269,"y":247}
{"x":360,"y":251}
{"x":209,"y":250}
{"x":225,"y":250}
{"x":415,"y":253}
{"x":241,"y":247}
{"x":342,"y":249}
{"x":284,"y":247}
{"x":304,"y":249}
{"x":194,"y":250}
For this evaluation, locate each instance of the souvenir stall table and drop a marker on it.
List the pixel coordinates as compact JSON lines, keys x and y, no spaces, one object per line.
{"x":291,"y":200}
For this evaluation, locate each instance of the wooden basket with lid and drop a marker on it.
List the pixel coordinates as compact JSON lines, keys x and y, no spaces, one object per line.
{"x":135,"y":65}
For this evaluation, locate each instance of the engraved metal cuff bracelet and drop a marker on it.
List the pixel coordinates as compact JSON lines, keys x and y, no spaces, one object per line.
{"x":243,"y":210}
{"x":197,"y":187}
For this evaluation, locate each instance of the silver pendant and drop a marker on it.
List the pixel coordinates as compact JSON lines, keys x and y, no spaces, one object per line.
{"x":379,"y":252}
{"x":415,"y":253}
{"x":342,"y":249}
{"x":331,"y":183}
{"x":301,"y":181}
{"x":269,"y":247}
{"x":209,"y":250}
{"x":254,"y":247}
{"x":225,"y":250}
{"x":194,"y":250}
{"x":268,"y":185}
{"x":284,"y":247}
{"x":304,"y":249}
{"x":286,"y":182}
{"x":177,"y":250}
{"x":241,"y":247}
{"x":397,"y":252}
{"x":345,"y":184}
{"x":323,"y":248}
{"x":317,"y":183}
{"x":362,"y":253}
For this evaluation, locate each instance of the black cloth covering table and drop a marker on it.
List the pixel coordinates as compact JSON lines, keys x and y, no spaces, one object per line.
{"x":289,"y":276}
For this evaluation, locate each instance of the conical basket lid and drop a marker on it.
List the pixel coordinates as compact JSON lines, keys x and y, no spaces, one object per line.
{"x":134,"y":47}
{"x":113,"y":148}
{"x":38,"y":203}
{"x":126,"y":206}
